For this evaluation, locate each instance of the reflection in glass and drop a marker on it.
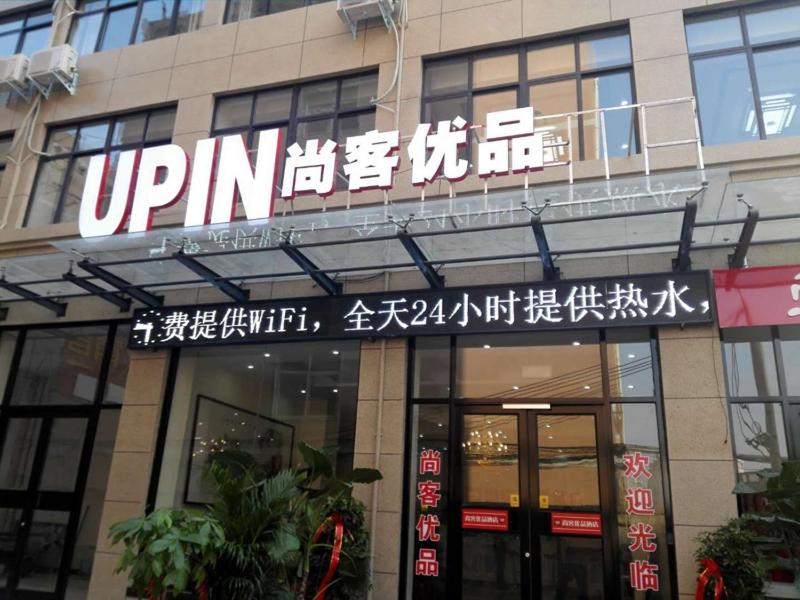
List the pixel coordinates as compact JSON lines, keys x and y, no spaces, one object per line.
{"x":551,"y":60}
{"x":34,"y":40}
{"x":430,"y":427}
{"x":713,"y":32}
{"x":554,"y":99}
{"x":567,"y":454}
{"x":310,"y":387}
{"x":495,"y":70}
{"x":750,"y":363}
{"x":608,"y":91}
{"x":155,"y":20}
{"x":790,"y":351}
{"x":773,"y":23}
{"x":317,"y":99}
{"x":190,"y":12}
{"x":357,"y":92}
{"x":572,"y":568}
{"x":233,"y":112}
{"x":444,"y":110}
{"x":43,"y":551}
{"x":84,"y":33}
{"x":160,"y":125}
{"x":10,"y":518}
{"x":491,"y":568}
{"x":725,"y":99}
{"x":487,"y":103}
{"x":118,"y":29}
{"x":18,"y":451}
{"x":92,"y":136}
{"x":599,"y":51}
{"x":44,"y":200}
{"x":239,"y":10}
{"x":634,"y":428}
{"x":490,"y":451}
{"x":128,"y":130}
{"x":630,"y":364}
{"x":528,"y":366}
{"x":273,"y":106}
{"x":779,"y":88}
{"x":118,"y":369}
{"x":432,"y":367}
{"x":759,"y":437}
{"x":59,"y":366}
{"x":63,"y":458}
{"x":446,"y":77}
{"x":76,"y":180}
{"x":93,"y":497}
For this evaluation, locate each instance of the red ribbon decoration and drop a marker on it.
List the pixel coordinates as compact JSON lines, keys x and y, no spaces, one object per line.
{"x":338,"y":539}
{"x":710,"y":571}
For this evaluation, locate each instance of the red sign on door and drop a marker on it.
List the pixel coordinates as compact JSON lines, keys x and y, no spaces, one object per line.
{"x":575,"y":523}
{"x":758,"y":296}
{"x":484,"y":518}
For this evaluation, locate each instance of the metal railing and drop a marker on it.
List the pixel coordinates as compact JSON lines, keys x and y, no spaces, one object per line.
{"x":639,"y":109}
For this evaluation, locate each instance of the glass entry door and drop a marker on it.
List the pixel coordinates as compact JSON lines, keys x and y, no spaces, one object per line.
{"x":41,"y":461}
{"x":535,"y":504}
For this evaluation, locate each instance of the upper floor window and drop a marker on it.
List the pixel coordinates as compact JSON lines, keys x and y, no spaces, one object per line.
{"x":746,"y":71}
{"x":239,"y":10}
{"x":569,"y":75}
{"x":5,"y":147}
{"x":25,"y":32}
{"x":106,"y":24}
{"x":58,"y":188}
{"x":333,"y":109}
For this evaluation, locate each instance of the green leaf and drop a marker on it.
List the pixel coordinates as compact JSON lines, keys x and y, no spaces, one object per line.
{"x":365,"y":476}
{"x":319,"y":462}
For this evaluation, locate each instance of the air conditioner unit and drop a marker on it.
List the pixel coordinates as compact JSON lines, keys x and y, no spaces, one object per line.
{"x":13,"y":74}
{"x":353,"y":12}
{"x":54,"y":66}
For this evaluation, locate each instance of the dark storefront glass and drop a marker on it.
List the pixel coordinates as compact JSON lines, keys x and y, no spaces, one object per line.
{"x":52,"y":480}
{"x":571,"y":568}
{"x":432,"y":367}
{"x":262,"y":401}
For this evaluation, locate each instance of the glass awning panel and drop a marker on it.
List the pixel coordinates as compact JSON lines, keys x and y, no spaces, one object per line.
{"x":627,"y":215}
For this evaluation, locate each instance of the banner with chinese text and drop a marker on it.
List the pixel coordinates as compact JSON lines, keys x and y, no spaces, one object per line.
{"x":665,"y":299}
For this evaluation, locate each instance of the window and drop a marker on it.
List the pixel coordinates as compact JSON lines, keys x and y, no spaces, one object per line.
{"x":745,"y":64}
{"x":5,"y":148}
{"x":239,"y":10}
{"x":57,"y":191}
{"x":258,"y":400}
{"x":108,"y":24}
{"x":25,"y":32}
{"x":578,"y":73}
{"x":761,"y":366}
{"x":332,"y":109}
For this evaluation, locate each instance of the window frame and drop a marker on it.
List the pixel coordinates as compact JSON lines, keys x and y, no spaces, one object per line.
{"x":7,"y":137}
{"x":26,"y":13}
{"x":107,"y":10}
{"x":249,"y":130}
{"x":747,"y":48}
{"x":523,"y":84}
{"x":229,"y":3}
{"x":73,"y":155}
{"x":787,"y":402}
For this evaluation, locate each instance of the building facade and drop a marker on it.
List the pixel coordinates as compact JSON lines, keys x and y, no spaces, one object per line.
{"x":558,"y":393}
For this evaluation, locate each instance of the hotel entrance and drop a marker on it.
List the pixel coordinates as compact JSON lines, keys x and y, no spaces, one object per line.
{"x":533,"y":483}
{"x":536,"y":468}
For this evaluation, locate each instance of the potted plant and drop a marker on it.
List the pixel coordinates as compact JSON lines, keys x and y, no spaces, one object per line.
{"x":732,"y":549}
{"x":168,"y":551}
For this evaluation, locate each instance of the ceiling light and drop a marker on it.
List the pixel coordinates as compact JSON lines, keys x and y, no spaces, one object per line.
{"x":335,"y":390}
{"x":302,"y":391}
{"x":576,"y":343}
{"x":631,"y":356}
{"x":516,"y":387}
{"x":487,"y":346}
{"x":267,"y":355}
{"x":335,"y":352}
{"x":587,"y":387}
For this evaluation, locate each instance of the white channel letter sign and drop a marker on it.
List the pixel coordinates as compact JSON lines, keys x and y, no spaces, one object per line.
{"x":152,"y":179}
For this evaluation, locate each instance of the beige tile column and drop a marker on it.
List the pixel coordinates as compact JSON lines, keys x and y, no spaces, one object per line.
{"x":131,"y":465}
{"x":386,"y":386}
{"x":702,"y":472}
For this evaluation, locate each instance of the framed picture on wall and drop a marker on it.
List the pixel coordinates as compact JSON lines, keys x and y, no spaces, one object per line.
{"x":220,"y":427}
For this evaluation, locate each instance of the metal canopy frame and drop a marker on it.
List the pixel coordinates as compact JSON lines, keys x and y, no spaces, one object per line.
{"x":230,"y":284}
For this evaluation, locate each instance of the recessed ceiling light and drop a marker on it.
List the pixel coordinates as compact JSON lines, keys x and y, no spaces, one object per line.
{"x":250,"y":367}
{"x":335,"y":352}
{"x":631,"y":356}
{"x":267,"y":355}
{"x":516,"y":387}
{"x":587,"y":387}
{"x":630,"y":387}
{"x":335,"y":390}
{"x":576,"y":343}
{"x":302,"y":391}
{"x":487,"y":346}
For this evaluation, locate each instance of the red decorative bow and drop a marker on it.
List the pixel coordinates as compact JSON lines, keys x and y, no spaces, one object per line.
{"x":338,"y":538}
{"x":710,"y":571}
